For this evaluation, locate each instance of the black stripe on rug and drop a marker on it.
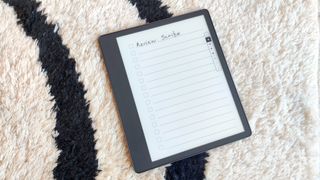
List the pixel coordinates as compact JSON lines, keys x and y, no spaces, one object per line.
{"x":151,"y":10}
{"x":191,"y":168}
{"x":188,"y":169}
{"x":77,"y":159}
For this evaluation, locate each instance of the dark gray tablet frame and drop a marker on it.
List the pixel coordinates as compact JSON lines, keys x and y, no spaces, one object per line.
{"x":128,"y":112}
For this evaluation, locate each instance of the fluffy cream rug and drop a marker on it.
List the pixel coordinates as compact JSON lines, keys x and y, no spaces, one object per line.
{"x":47,"y":120}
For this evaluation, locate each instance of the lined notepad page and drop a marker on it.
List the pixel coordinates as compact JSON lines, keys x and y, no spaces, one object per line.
{"x":181,"y":93}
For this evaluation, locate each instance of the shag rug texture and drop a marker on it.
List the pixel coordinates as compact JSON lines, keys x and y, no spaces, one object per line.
{"x":58,"y":117}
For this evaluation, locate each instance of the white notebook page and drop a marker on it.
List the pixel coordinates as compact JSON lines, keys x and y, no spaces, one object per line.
{"x":179,"y":88}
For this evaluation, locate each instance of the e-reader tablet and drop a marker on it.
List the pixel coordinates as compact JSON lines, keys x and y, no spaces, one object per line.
{"x":173,"y":88}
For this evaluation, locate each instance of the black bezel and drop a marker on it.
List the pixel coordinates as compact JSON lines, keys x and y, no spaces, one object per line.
{"x":126,"y":105}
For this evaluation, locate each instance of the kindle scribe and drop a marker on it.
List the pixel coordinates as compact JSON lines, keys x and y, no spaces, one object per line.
{"x":173,"y":88}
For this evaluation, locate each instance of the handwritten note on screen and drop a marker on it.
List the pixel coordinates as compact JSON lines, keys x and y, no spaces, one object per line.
{"x":181,"y":93}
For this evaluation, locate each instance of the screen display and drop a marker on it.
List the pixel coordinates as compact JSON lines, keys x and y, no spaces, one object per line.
{"x":179,"y":87}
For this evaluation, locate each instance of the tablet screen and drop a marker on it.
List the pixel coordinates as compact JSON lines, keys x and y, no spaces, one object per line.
{"x":179,"y":87}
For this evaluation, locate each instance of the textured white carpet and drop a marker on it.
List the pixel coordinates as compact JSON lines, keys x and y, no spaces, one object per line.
{"x":272,"y":48}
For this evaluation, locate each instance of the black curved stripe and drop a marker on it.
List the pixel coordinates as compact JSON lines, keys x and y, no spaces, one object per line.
{"x":188,"y":169}
{"x":77,"y":159}
{"x":151,"y":10}
{"x":191,"y":168}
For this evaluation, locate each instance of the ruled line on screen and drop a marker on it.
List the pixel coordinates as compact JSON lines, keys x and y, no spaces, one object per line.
{"x":208,"y":135}
{"x":177,"y":88}
{"x":183,"y":94}
{"x":195,"y":114}
{"x":177,"y":65}
{"x":176,"y":58}
{"x":192,"y":99}
{"x":194,"y":131}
